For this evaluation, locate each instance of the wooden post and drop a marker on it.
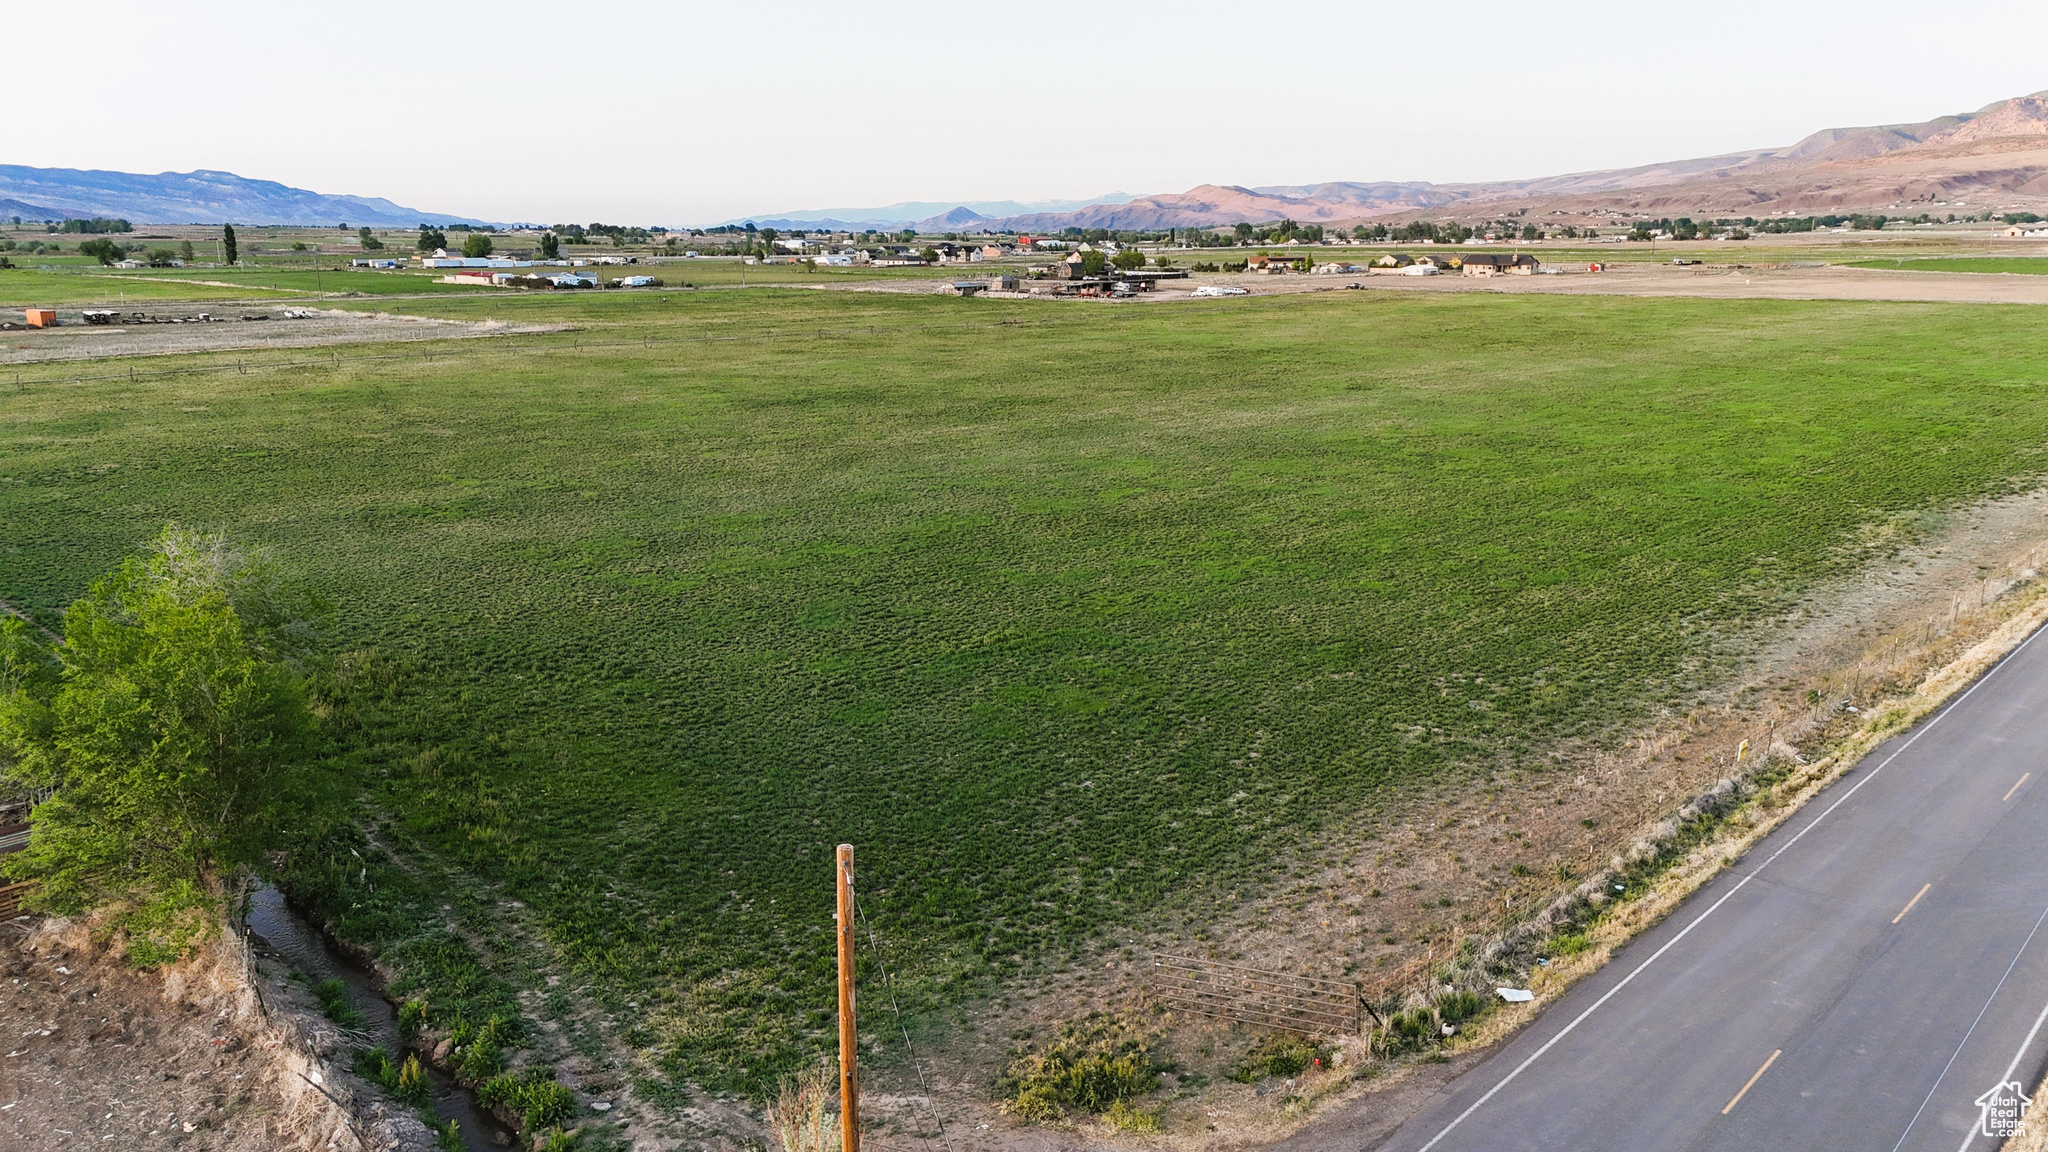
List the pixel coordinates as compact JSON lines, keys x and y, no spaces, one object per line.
{"x":849,"y":1035}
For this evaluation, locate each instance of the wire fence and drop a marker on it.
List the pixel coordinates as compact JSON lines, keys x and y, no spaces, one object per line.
{"x":923,"y":1083}
{"x":1314,"y":1006}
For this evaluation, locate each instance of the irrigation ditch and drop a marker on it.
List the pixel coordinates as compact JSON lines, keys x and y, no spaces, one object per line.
{"x":292,"y":939}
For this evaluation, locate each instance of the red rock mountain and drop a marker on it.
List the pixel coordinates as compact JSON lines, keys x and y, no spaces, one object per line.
{"x":1996,"y":157}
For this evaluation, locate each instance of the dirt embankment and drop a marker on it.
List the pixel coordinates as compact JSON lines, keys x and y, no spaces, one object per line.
{"x":214,"y":1053}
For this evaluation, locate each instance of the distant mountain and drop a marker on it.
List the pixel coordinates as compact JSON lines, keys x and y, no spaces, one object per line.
{"x":29,"y":211}
{"x":1996,"y":154}
{"x":200,"y":197}
{"x":913,"y":213}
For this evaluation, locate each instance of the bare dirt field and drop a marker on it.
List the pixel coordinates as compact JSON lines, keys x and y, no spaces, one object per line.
{"x":76,"y":340}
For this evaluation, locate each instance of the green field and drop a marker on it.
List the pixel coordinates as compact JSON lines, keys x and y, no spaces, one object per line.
{"x":1072,"y":624}
{"x":2023,"y":265}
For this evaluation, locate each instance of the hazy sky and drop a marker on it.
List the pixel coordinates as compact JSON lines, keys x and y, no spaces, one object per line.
{"x":683,"y":112}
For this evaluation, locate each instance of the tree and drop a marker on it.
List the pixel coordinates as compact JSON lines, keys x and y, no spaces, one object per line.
{"x":476,"y":244}
{"x":185,"y":251}
{"x":227,"y":243}
{"x":172,"y":722}
{"x":103,"y":250}
{"x":369,"y":243}
{"x":1530,"y":232}
{"x":1093,"y":262}
{"x":929,"y":255}
{"x":1128,"y":259}
{"x":431,"y":239}
{"x":161,"y":257}
{"x":550,"y":246}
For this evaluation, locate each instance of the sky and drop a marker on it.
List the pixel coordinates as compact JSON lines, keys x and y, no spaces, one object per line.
{"x":684,"y":113}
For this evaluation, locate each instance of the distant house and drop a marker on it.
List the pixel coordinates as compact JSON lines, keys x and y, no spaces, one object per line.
{"x":1499,"y":264}
{"x":1395,"y":260}
{"x":1265,"y":263}
{"x":2028,"y":231}
{"x":964,"y":287}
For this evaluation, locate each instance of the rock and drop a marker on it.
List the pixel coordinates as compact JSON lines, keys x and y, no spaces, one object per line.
{"x":442,"y":1049}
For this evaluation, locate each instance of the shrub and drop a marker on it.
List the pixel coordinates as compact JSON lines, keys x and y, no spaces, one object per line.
{"x":1277,"y":1055}
{"x":1095,"y":1063}
{"x":1122,"y":1115}
{"x":1458,"y":1007}
{"x":412,"y":1016}
{"x":411,"y":1085}
{"x":333,"y":997}
{"x":533,"y":1094}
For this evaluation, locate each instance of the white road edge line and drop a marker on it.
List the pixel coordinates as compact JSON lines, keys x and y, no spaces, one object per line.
{"x":2014,"y":1066}
{"x":1922,"y":730}
{"x":1964,"y":1042}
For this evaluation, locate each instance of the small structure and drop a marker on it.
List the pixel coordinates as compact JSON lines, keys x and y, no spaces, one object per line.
{"x":964,"y":287}
{"x":100,"y":316}
{"x":41,"y":317}
{"x":1002,"y":283}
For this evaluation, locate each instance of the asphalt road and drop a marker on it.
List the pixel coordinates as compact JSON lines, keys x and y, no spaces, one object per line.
{"x":1857,"y":981}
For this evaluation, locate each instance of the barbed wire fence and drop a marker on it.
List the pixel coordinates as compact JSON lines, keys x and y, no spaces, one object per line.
{"x":930,"y":1098}
{"x":1312,"y":1006}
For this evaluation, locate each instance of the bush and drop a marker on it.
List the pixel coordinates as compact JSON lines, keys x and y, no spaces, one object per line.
{"x":1121,"y":1115}
{"x":333,"y":997}
{"x":1413,"y":1026}
{"x":1096,"y":1063}
{"x":1458,"y":1007}
{"x":412,"y":1016}
{"x":533,"y":1094}
{"x":1278,"y":1055}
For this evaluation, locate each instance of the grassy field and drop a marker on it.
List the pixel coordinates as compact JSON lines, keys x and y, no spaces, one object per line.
{"x":1074,"y":623}
{"x":2022,"y":265}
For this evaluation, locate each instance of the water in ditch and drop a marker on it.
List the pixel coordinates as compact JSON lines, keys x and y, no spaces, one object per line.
{"x":297,"y":943}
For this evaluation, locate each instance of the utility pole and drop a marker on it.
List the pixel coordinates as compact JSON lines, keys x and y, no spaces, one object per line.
{"x":849,"y":1034}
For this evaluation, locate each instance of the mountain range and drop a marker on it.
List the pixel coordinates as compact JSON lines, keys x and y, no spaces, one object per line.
{"x":924,"y":215}
{"x":1996,"y":157}
{"x":200,"y":197}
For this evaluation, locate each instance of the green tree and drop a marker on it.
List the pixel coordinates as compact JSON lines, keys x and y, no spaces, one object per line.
{"x":476,"y":244}
{"x":185,"y":251}
{"x":172,"y":722}
{"x":227,"y":243}
{"x":929,"y":255}
{"x":431,"y":239}
{"x":550,"y":246}
{"x":1128,"y":259}
{"x":1093,"y":262}
{"x":103,"y":250}
{"x":369,"y":243}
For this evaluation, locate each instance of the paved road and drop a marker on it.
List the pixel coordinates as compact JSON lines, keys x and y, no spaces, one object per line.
{"x":1856,"y":982}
